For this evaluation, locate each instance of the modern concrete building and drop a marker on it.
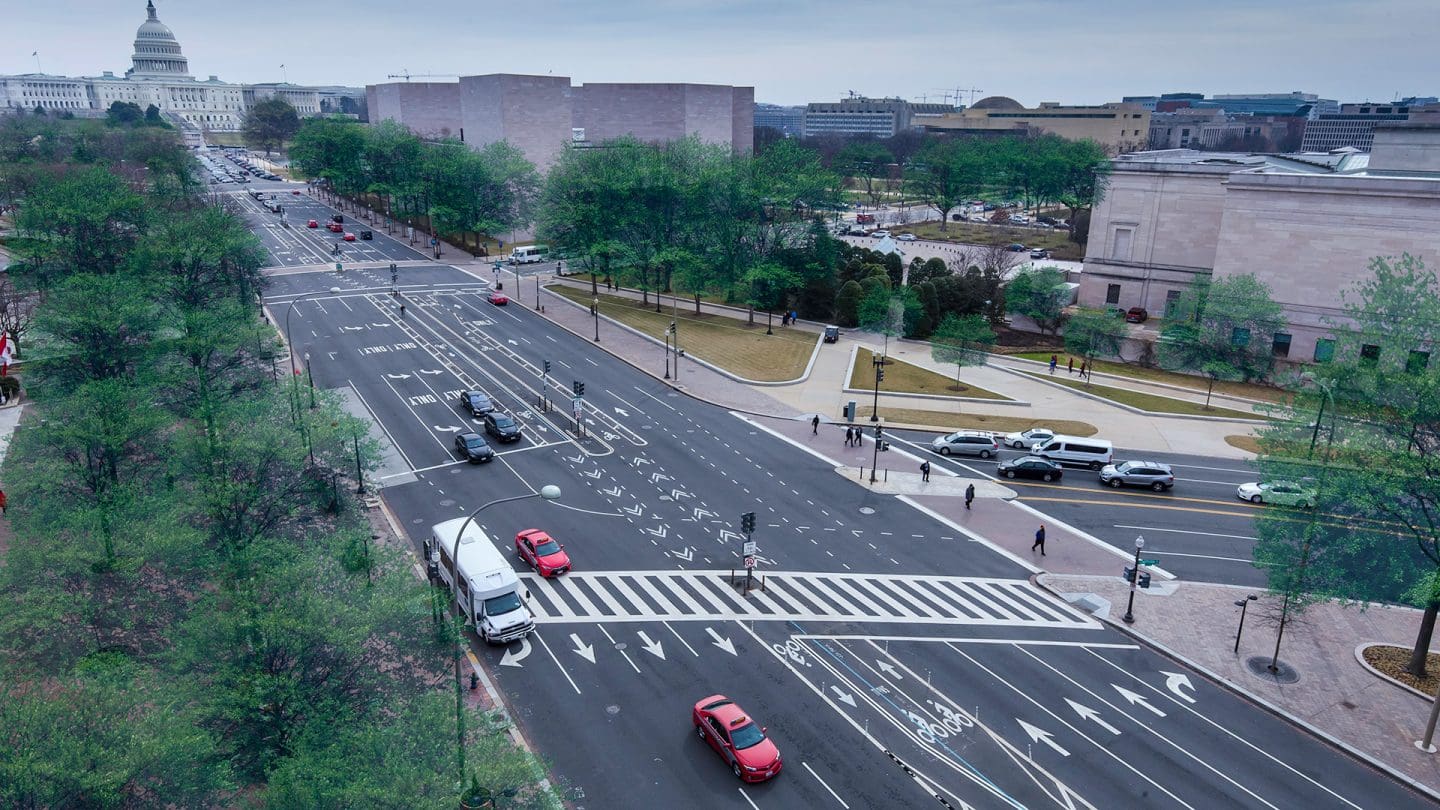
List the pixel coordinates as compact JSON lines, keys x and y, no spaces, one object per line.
{"x":1293,"y":103}
{"x":1306,"y":224}
{"x":159,"y":75}
{"x":789,"y":121}
{"x":1119,"y":127}
{"x":879,"y":117}
{"x":1354,"y":125}
{"x":541,"y":115}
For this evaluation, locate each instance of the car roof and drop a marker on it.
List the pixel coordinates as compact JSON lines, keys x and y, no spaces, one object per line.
{"x":729,"y":713}
{"x":1143,"y":463}
{"x":470,"y":434}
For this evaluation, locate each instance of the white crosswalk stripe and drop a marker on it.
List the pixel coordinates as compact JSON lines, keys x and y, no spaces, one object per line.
{"x":629,"y":596}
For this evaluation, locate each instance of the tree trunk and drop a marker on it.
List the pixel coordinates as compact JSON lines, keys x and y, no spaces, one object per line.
{"x":1421,"y":651}
{"x":697,"y":303}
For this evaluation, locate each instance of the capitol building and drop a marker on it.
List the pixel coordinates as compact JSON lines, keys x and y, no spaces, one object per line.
{"x":159,"y":75}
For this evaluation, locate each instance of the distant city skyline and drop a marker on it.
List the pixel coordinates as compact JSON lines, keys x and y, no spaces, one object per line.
{"x":1068,"y":51}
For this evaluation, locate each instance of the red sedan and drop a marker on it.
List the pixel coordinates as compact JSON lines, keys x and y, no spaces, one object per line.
{"x":349,"y":237}
{"x":737,"y":738}
{"x":312,"y":224}
{"x":498,"y":299}
{"x":546,"y":556}
{"x":335,"y":227}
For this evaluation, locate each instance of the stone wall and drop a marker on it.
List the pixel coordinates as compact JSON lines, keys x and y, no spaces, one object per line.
{"x":429,"y":109}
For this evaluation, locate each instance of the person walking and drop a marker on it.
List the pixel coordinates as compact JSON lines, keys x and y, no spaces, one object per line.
{"x":969,"y":495}
{"x":3,"y":503}
{"x":1084,"y":369}
{"x":815,"y":425}
{"x":1070,"y":368}
{"x":859,"y":436}
{"x":925,"y":470}
{"x":849,"y":437}
{"x":1039,"y":540}
{"x":1054,"y":361}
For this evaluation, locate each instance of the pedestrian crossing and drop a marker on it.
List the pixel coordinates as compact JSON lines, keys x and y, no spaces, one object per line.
{"x":628,"y":596}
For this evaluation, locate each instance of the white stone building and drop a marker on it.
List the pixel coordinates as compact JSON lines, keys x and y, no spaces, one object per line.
{"x":159,"y":75}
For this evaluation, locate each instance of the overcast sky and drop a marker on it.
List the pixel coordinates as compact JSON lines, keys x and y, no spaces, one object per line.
{"x":790,"y":51}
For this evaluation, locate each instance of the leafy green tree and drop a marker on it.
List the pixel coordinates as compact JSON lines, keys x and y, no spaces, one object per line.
{"x":847,"y":304}
{"x":1094,"y":332}
{"x":152,"y":117}
{"x":863,"y":162}
{"x":124,"y":113}
{"x":945,"y":173}
{"x":102,"y":326}
{"x":961,"y":341}
{"x":1038,"y":294}
{"x":1084,"y":173}
{"x":87,"y":221}
{"x":332,"y":149}
{"x":269,"y":124}
{"x":1223,"y":329}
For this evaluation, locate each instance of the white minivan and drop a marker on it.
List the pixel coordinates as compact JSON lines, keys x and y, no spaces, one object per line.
{"x":528,"y":254}
{"x":1092,"y":453}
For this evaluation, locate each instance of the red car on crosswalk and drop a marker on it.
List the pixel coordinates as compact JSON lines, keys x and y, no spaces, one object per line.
{"x":546,"y":556}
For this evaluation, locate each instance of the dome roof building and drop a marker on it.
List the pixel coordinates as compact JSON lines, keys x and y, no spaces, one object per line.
{"x":157,"y":51}
{"x":997,"y":103}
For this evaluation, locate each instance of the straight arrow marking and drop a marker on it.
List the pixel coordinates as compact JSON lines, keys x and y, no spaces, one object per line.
{"x":720,"y":641}
{"x":845,"y":697}
{"x":1088,"y":713}
{"x":889,"y":669}
{"x":1137,"y":699}
{"x":1040,"y":735}
{"x":585,"y":651}
{"x":652,"y":647}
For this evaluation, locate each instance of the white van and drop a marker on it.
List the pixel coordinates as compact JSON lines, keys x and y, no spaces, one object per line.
{"x":527,"y":254}
{"x":1092,"y":453}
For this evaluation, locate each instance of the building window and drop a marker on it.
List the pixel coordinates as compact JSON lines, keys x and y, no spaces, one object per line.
{"x":1239,"y":336}
{"x":1417,"y":362}
{"x":1370,"y":354}
{"x":1112,"y":294}
{"x":1280,"y":345}
{"x":1120,"y":244}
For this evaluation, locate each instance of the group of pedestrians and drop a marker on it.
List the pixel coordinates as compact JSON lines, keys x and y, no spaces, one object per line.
{"x":1070,"y":366}
{"x":854,"y":437}
{"x":788,"y":317}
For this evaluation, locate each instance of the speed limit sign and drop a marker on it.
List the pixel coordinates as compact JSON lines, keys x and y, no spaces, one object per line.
{"x":750,"y":561}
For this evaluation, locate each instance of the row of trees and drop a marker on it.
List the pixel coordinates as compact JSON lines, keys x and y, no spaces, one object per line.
{"x":193,"y":612}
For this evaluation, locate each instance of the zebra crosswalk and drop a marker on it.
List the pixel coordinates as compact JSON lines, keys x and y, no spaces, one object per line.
{"x":629,"y":596}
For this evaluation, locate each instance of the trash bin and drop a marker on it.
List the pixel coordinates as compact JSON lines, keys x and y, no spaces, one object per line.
{"x":1129,"y":575}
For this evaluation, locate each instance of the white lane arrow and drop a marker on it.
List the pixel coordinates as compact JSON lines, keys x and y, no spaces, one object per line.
{"x":582,"y":649}
{"x":595,"y":473}
{"x":845,"y":697}
{"x":726,"y":534}
{"x":699,"y":513}
{"x":513,"y":659}
{"x":1088,"y":713}
{"x":398,"y":376}
{"x":720,"y":641}
{"x":448,"y":429}
{"x":660,"y":532}
{"x":1136,"y":699}
{"x":636,"y":510}
{"x":352,"y":329}
{"x":857,"y":532}
{"x":687,"y":554}
{"x":613,"y":492}
{"x":1175,"y":681}
{"x":656,"y":478}
{"x":638,"y":460}
{"x":889,"y":669}
{"x":677,"y":494}
{"x":652,"y":647}
{"x":432,"y":371}
{"x":622,"y":411}
{"x":575,"y":460}
{"x":1040,"y":735}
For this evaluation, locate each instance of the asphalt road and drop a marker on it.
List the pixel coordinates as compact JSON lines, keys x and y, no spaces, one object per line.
{"x":883,"y":683}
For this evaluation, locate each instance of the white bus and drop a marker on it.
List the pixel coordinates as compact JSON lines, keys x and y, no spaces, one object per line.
{"x":528,"y":254}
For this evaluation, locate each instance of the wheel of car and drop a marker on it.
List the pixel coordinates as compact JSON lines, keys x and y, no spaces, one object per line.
{"x":1018,"y":445}
{"x":984,"y":454}
{"x":1009,"y":473}
{"x":1114,"y":482}
{"x":944,"y":451}
{"x":700,"y":732}
{"x":1256,"y":499}
{"x":1095,"y":465}
{"x":1157,"y":486}
{"x":735,"y":769}
{"x":1047,"y":477}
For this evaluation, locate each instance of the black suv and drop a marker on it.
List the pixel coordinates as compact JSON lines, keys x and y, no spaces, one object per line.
{"x":502,"y":427}
{"x":472,"y":447}
{"x":476,"y":403}
{"x":832,"y":334}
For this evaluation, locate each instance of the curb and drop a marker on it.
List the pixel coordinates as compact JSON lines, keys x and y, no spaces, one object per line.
{"x":1120,"y":378}
{"x":1131,"y":408}
{"x":1360,"y":656}
{"x":850,"y":375}
{"x":1235,"y":689}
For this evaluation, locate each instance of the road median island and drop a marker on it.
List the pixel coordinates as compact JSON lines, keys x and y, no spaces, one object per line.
{"x":728,"y":343}
{"x":918,"y":419}
{"x":907,"y":378}
{"x":1149,"y":403}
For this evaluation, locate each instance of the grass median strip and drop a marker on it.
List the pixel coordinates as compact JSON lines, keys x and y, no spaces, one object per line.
{"x":1151,"y":403}
{"x":974,"y":421}
{"x":907,"y":378}
{"x":730,"y":343}
{"x":1263,"y":393}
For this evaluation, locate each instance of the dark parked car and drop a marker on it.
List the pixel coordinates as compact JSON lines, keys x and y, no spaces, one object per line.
{"x":832,"y":334}
{"x":1137,"y":315}
{"x":502,"y":427}
{"x":1016,"y":247}
{"x":337,"y":218}
{"x":1030,"y":467}
{"x":367,"y":235}
{"x":473,"y":448}
{"x":476,"y":403}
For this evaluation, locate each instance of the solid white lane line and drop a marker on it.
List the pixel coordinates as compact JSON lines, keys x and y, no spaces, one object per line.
{"x":824,"y":785}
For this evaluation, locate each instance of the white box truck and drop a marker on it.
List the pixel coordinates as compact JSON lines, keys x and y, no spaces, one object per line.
{"x":489,"y":592}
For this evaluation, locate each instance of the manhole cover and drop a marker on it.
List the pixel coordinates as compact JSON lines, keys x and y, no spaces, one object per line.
{"x":447,"y":502}
{"x":620,"y":645}
{"x":1259,"y":666}
{"x":612,"y":709}
{"x":867,"y":510}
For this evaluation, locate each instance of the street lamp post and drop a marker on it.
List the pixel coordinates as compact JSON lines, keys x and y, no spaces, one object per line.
{"x":879,"y":364}
{"x":549,"y":492}
{"x":359,"y":473}
{"x":875,"y":455}
{"x":667,"y":352}
{"x":769,"y":319}
{"x":1326,"y":391}
{"x":1242,"y":604}
{"x":537,"y":292}
{"x":310,"y":376}
{"x":1134,"y":580}
{"x":595,"y":310}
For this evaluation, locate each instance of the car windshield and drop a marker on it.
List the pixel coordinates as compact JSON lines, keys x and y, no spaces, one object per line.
{"x":504,"y":422}
{"x":499,"y":605}
{"x":747,"y":736}
{"x":474,"y":441}
{"x":547,"y":548}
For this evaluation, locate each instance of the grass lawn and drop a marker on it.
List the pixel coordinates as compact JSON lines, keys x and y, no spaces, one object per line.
{"x":1263,"y":393}
{"x":956,"y":421}
{"x":728,"y":343}
{"x":1057,"y":242}
{"x":1244,"y":443}
{"x":1148,"y":402}
{"x":906,"y":378}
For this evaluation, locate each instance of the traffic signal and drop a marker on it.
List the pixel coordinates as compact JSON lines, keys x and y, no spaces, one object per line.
{"x":747,"y":522}
{"x":879,"y":374}
{"x":547,"y":366}
{"x":579,"y":388}
{"x":394,"y":273}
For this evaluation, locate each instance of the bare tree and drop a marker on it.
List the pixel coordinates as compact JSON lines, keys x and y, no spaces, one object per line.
{"x":17,"y":309}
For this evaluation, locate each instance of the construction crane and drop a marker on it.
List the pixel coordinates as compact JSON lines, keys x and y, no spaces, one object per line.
{"x":405,"y":74}
{"x":958,"y":92}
